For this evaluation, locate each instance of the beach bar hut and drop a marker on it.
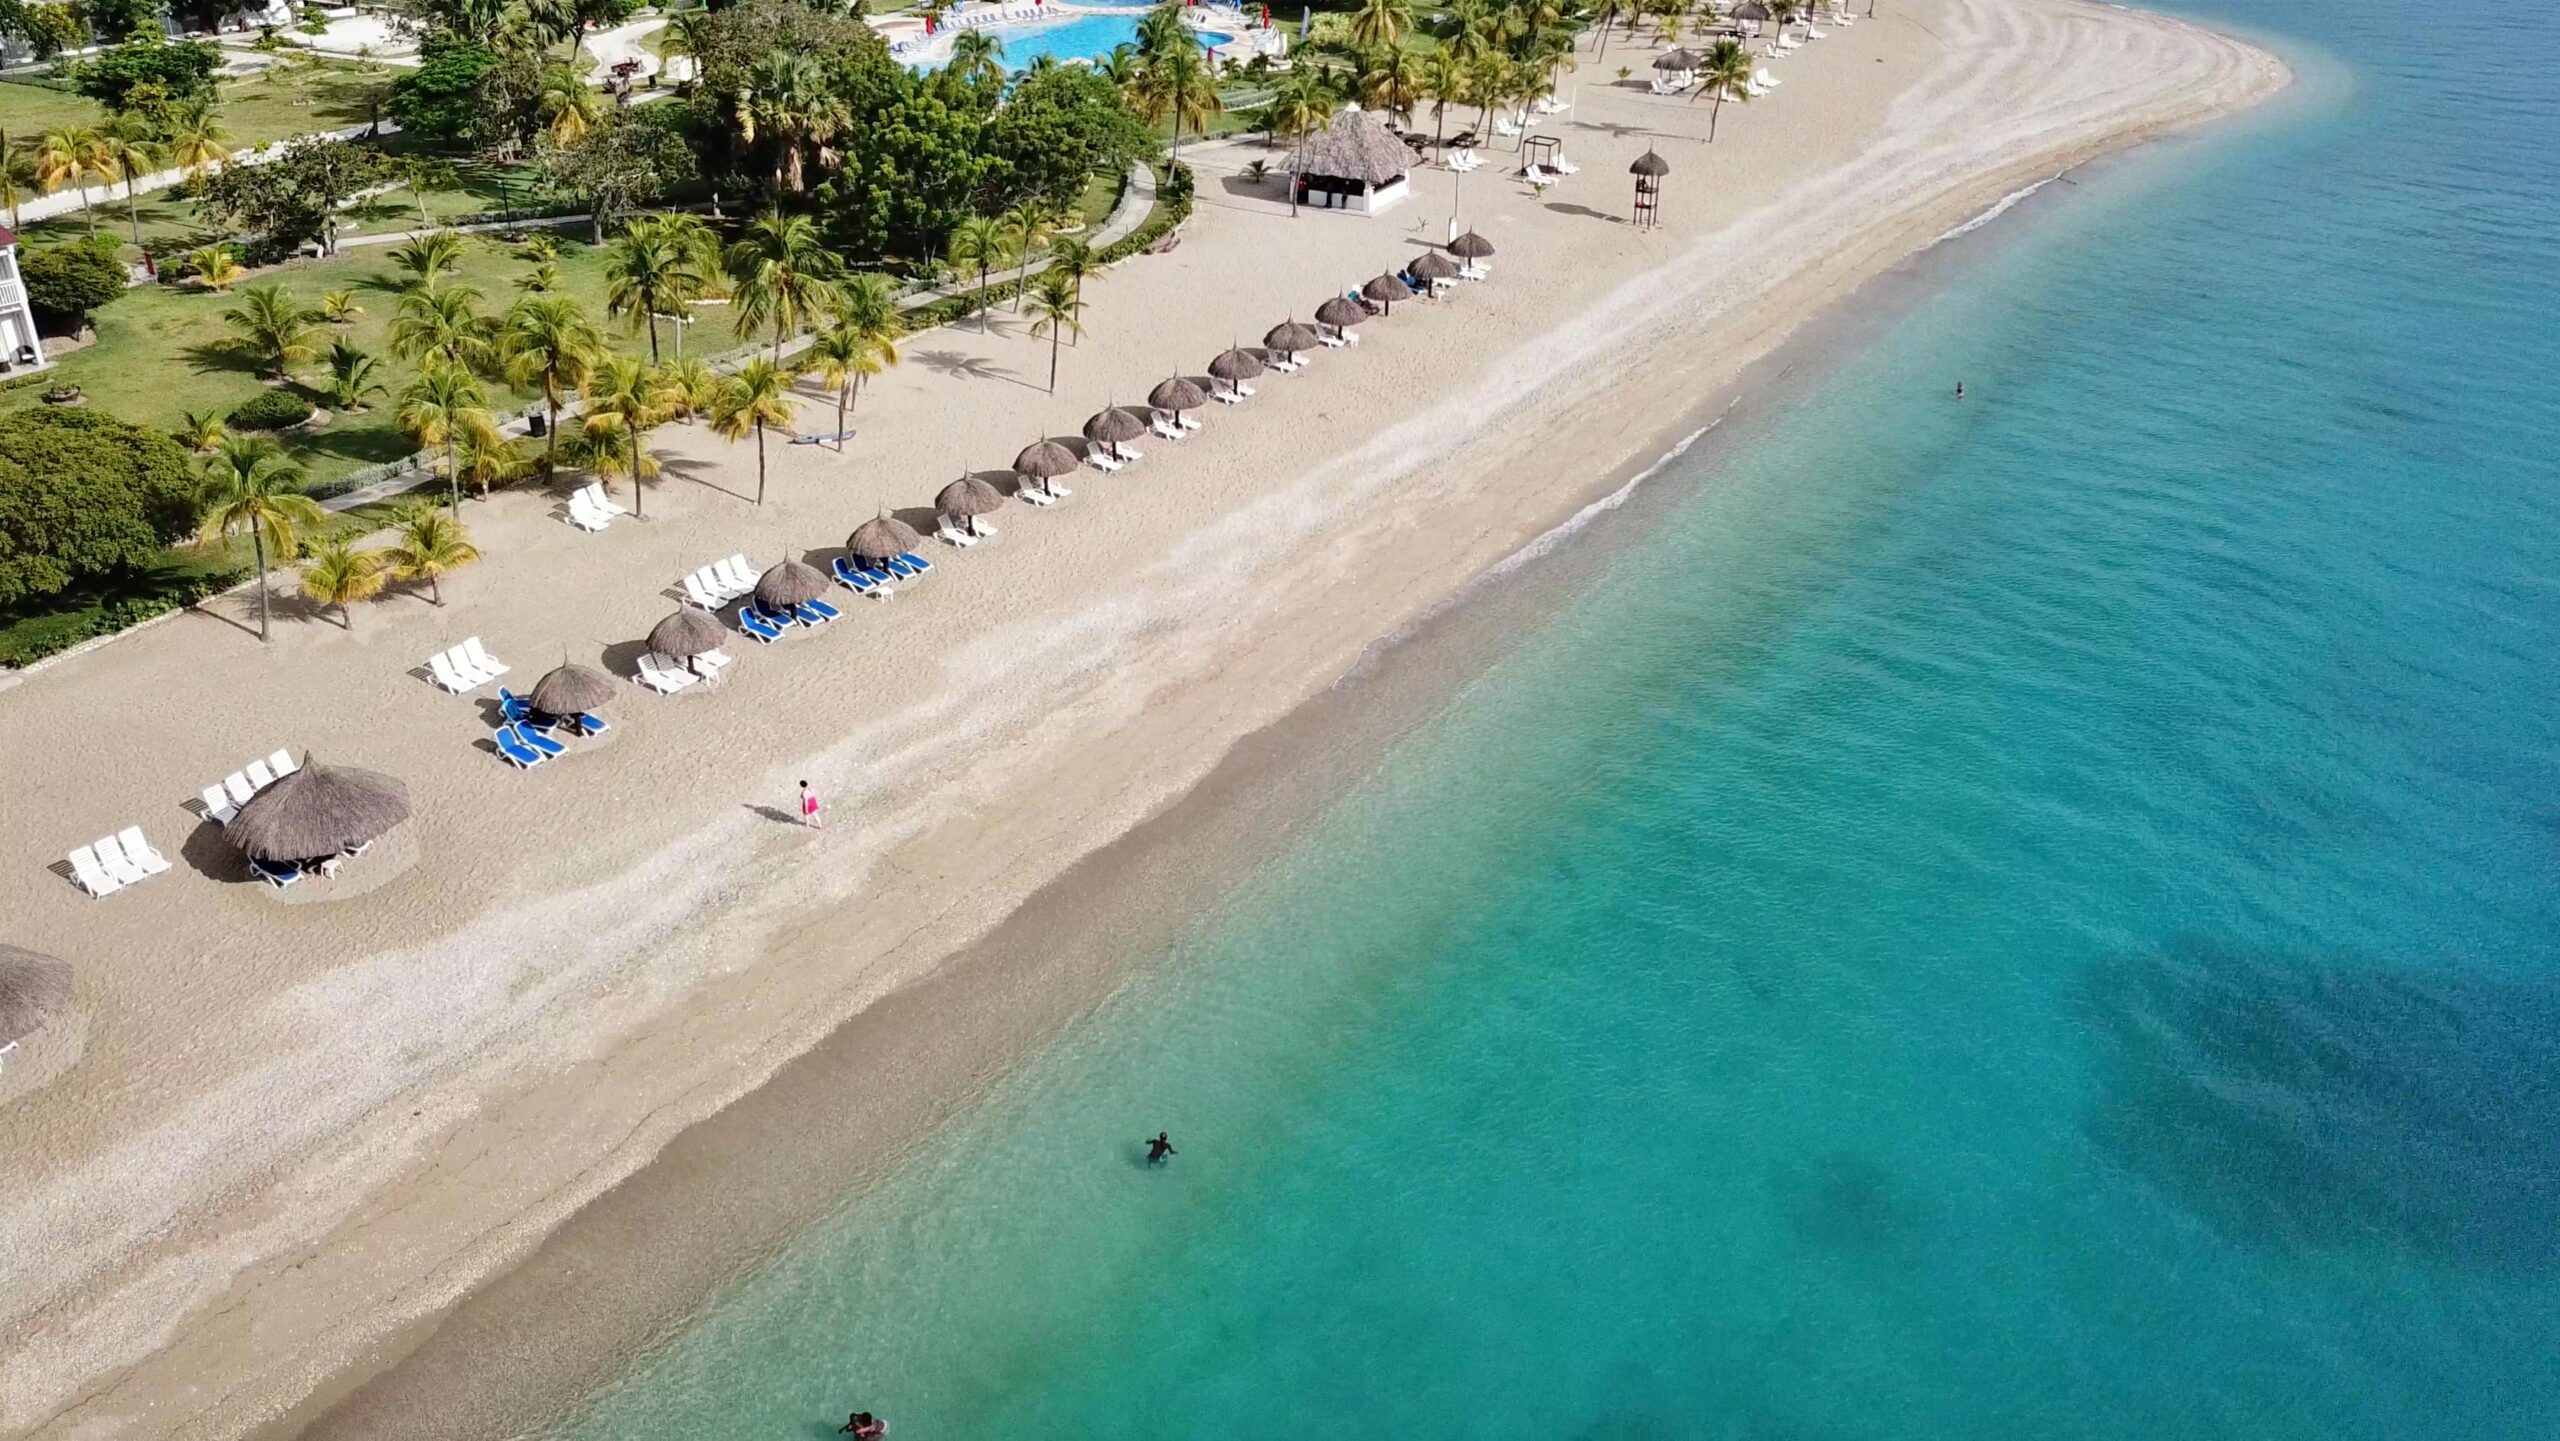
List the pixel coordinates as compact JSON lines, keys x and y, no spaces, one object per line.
{"x":1355,"y":163}
{"x":314,"y":817}
{"x":1648,"y":171}
{"x":35,"y":991}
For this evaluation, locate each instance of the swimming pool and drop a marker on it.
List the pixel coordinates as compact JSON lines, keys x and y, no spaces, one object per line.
{"x":1078,"y":37}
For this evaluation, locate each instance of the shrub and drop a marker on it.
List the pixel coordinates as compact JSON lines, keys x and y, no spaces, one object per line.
{"x":441,"y":97}
{"x":66,"y":282}
{"x":183,"y":70}
{"x":273,"y":410}
{"x":84,"y":494}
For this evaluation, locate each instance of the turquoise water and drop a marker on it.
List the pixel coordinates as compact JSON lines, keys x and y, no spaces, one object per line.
{"x":1084,"y":37}
{"x":2030,"y":917}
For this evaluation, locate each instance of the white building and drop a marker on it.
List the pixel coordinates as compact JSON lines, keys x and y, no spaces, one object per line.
{"x":20,"y":349}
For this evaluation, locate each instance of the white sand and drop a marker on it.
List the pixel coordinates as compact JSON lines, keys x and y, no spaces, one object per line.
{"x":298,"y":1125}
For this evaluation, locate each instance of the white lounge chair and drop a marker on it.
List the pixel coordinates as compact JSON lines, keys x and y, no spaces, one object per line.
{"x":89,"y":876}
{"x":489,"y":664}
{"x":217,"y":806}
{"x":283,"y":764}
{"x":1187,"y":422}
{"x":601,"y":502}
{"x":139,"y":851}
{"x":1165,"y":428}
{"x":660,"y":676}
{"x":1101,"y":460}
{"x":585,"y":519}
{"x":112,"y":860}
{"x":955,"y":535}
{"x":1285,"y":364}
{"x":259,"y":776}
{"x":1227,"y":397}
{"x":237,"y":785}
{"x":739,"y":573}
{"x":440,"y":665}
{"x":696,"y":593}
{"x":1034,"y":495}
{"x":711,"y":662}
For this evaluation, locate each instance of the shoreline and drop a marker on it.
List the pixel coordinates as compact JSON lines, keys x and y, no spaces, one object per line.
{"x":1237,"y":693}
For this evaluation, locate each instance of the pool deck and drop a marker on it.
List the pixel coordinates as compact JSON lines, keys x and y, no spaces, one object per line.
{"x":909,"y":43}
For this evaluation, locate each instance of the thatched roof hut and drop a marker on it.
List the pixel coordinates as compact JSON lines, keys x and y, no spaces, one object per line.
{"x":968,"y":496}
{"x":1750,"y":10}
{"x":318,"y":811}
{"x":1177,"y":394}
{"x":1290,"y":337}
{"x":686,"y":634}
{"x":571,"y":690}
{"x":881,"y":538}
{"x":34,"y":990}
{"x":1471,"y":246}
{"x":790,"y":583}
{"x":1353,"y":163}
{"x":1676,"y":62}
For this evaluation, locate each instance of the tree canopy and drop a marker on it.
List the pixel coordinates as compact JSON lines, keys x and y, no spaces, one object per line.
{"x":65,"y":282}
{"x":182,"y":71}
{"x":83,"y":494}
{"x":441,"y":98}
{"x":295,"y":197}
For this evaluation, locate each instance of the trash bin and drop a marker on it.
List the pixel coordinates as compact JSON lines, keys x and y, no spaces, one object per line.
{"x":535,"y":425}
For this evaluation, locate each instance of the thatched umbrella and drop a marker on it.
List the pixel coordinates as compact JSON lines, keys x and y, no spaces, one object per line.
{"x":686,"y":634}
{"x":1233,"y":366}
{"x":1341,"y":312}
{"x":790,"y":583}
{"x":318,"y":811}
{"x":33,"y":990}
{"x":1047,"y":459}
{"x":1650,"y":165}
{"x":1432,"y":267}
{"x":1290,"y":337}
{"x":1112,"y":425}
{"x":1177,"y":395}
{"x":966,"y":499}
{"x":1471,"y":246}
{"x":1679,"y":62}
{"x":1387,"y":290}
{"x":572,"y":690}
{"x":881,"y":539}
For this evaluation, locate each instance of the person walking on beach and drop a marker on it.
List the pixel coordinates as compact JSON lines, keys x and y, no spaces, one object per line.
{"x":809,"y":809}
{"x":1159,"y":1148}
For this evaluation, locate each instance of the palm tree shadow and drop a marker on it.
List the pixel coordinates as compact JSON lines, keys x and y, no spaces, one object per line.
{"x":965,"y":367}
{"x":1563,"y":208}
{"x":699,"y":472}
{"x":220,"y":357}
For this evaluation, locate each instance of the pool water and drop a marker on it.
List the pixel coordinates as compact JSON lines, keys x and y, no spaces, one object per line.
{"x":1079,"y":37}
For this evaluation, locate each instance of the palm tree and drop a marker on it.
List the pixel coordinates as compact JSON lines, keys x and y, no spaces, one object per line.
{"x":976,"y":56}
{"x":338,"y":307}
{"x":693,"y":388}
{"x":1724,"y":74}
{"x":550,"y":343}
{"x":199,"y":146}
{"x":567,"y":108}
{"x":1074,"y":259}
{"x":650,"y":270}
{"x":446,"y":323}
{"x":541,"y":279}
{"x":488,"y":458}
{"x":1120,"y":67}
{"x":1028,"y":226}
{"x":73,"y":155}
{"x":980,"y":241}
{"x":201,"y":430}
{"x":788,"y":95}
{"x":442,"y":406}
{"x":430,"y":543}
{"x":1177,"y":84}
{"x":129,"y":156}
{"x":757,"y":396}
{"x":248,"y":485}
{"x":1391,"y":80}
{"x":338,"y":574}
{"x":782,"y":275}
{"x":274,"y":327}
{"x":625,"y":400}
{"x":17,"y":177}
{"x":690,"y":36}
{"x":1381,"y":22}
{"x":427,"y":257}
{"x":1301,"y":103}
{"x":869,"y":308}
{"x":214,"y":267}
{"x":1056,"y":311}
{"x":353,"y":375}
{"x":1444,"y":82}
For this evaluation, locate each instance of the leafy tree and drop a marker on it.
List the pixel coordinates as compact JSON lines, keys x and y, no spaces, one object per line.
{"x":182,"y":69}
{"x":920,"y":170}
{"x":1056,"y":311}
{"x":50,"y":29}
{"x":757,"y":396}
{"x":1055,"y":131}
{"x":631,"y":158}
{"x":66,"y":282}
{"x":273,"y":327}
{"x":339,"y":574}
{"x":549,"y":342}
{"x":84,"y":495}
{"x":249,"y":486}
{"x":430,"y":544}
{"x":441,"y":98}
{"x":295,"y":197}
{"x":421,"y":176}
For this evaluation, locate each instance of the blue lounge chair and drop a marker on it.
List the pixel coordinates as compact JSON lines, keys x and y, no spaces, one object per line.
{"x":756,"y":627}
{"x":540,"y":742}
{"x":858,"y":581}
{"x":778,"y":619}
{"x":278,"y":876}
{"x":511,"y":706}
{"x":899,"y":568}
{"x":591,"y":724}
{"x":816,"y":612}
{"x":916,"y":562}
{"x":883,"y":576}
{"x":515,"y":752}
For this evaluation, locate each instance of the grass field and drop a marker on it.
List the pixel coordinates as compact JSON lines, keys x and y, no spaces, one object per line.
{"x":290,"y":98}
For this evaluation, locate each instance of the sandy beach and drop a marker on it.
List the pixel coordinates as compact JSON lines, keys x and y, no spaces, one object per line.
{"x":300,"y":1125}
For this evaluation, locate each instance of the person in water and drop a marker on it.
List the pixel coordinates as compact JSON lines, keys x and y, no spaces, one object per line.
{"x":1959,"y":390}
{"x":1159,"y":1148}
{"x":863,"y":1426}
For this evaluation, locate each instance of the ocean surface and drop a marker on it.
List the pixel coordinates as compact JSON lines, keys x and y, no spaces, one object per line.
{"x":2024,"y":917}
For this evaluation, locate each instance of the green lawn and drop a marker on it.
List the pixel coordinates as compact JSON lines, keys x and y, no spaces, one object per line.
{"x":290,"y":98}
{"x":161,"y":350}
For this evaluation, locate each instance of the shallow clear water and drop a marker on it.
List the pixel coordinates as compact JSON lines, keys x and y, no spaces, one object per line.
{"x":1082,"y":37}
{"x":2027,"y":917}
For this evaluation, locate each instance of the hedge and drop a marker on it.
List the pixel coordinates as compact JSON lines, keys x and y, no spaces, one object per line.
{"x":22,"y":646}
{"x":274,"y":410}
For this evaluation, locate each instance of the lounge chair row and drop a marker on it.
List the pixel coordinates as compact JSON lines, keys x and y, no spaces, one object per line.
{"x":666,"y":675}
{"x":720,"y":582}
{"x":466,"y":667}
{"x":114,"y":862}
{"x":769,"y":626}
{"x":224,"y":798}
{"x":516,"y":710}
{"x":880,"y":581}
{"x":591,"y":509}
